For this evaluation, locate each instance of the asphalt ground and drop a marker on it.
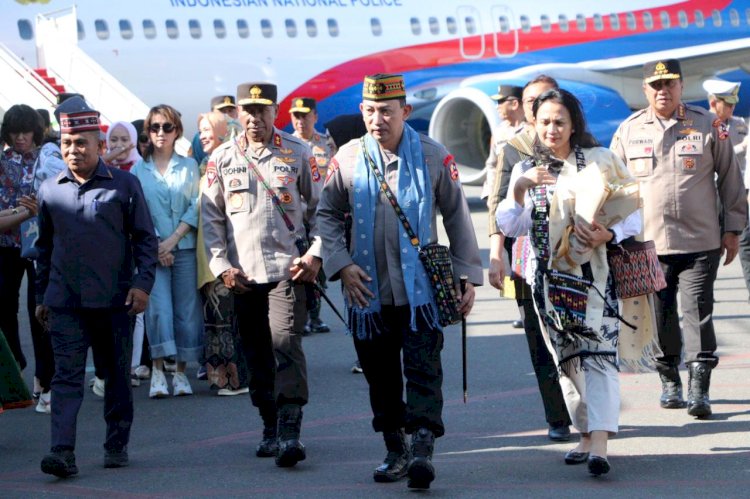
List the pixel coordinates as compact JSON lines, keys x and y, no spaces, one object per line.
{"x":495,"y":444}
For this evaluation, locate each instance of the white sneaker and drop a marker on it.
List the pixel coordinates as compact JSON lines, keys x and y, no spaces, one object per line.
{"x":143,"y":372}
{"x":181,"y":385}
{"x":159,"y":387}
{"x":44,"y":405}
{"x":98,"y":387}
{"x":228,"y":392}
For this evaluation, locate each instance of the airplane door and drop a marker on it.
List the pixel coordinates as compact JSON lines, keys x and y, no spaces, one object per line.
{"x":470,"y":31}
{"x":59,"y":25}
{"x":505,"y":41}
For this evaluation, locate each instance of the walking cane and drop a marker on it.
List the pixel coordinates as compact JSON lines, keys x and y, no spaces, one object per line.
{"x":463,"y":280}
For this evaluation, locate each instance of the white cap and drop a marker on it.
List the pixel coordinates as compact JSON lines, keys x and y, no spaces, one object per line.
{"x":725,"y":90}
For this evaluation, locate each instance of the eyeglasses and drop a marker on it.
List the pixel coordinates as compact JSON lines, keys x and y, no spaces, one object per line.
{"x":659,"y":84}
{"x":167,"y":127}
{"x":143,"y":138}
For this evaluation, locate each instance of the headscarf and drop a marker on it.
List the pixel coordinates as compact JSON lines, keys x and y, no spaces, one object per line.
{"x":133,"y":155}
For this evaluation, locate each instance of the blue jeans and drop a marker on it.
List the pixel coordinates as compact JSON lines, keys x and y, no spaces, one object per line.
{"x":174,"y":319}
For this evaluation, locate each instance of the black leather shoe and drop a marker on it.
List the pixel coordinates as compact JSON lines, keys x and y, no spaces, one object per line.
{"x":290,"y":453}
{"x":559,"y":433}
{"x":576,"y":457}
{"x":114,"y":458}
{"x":268,"y":447}
{"x":517,"y":324}
{"x":60,"y":463}
{"x":421,"y":471}
{"x":598,"y":465}
{"x":396,"y":462}
{"x":698,"y":404}
{"x":671,"y":389}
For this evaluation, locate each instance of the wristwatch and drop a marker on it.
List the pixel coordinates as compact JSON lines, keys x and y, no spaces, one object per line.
{"x":14,"y":210}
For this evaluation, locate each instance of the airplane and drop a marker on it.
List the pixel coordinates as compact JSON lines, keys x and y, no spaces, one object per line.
{"x":452,"y":54}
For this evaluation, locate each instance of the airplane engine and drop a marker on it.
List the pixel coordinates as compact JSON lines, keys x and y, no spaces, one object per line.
{"x":463,"y":120}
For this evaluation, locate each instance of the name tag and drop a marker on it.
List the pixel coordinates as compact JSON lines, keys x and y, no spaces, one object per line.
{"x":640,"y":147}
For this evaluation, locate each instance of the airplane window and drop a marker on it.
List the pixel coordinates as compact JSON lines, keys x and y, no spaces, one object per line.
{"x":242,"y":28}
{"x":682,"y":18}
{"x":648,"y":21}
{"x":434,"y":25}
{"x":734,"y":17}
{"x":291,"y":28}
{"x":416,"y":28}
{"x":503,"y":24}
{"x":24,"y":29}
{"x":700,"y":20}
{"x":631,"y":21}
{"x":333,"y":27}
{"x":546,"y":26}
{"x":716,"y":15}
{"x":194,"y":27}
{"x":220,"y":28}
{"x":598,"y":22}
{"x":581,"y":22}
{"x":614,"y":22}
{"x":471,"y":26}
{"x":375,"y":26}
{"x":149,"y":29}
{"x":525,"y":24}
{"x":563,"y":22}
{"x":126,"y":29}
{"x":312,"y":28}
{"x":102,"y":31}
{"x":665,"y":20}
{"x":266,"y":28}
{"x":450,"y":23}
{"x":172,"y":31}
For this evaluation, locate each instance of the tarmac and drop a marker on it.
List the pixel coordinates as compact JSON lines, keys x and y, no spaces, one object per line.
{"x":495,"y":444}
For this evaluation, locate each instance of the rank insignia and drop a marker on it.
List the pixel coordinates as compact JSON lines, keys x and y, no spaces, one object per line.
{"x":277,"y":140}
{"x":285,"y":179}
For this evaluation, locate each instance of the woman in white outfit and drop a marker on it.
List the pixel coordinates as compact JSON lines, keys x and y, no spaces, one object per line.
{"x":568,"y":271}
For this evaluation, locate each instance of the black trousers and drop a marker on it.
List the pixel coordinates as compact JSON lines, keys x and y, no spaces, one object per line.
{"x":693,"y":275}
{"x":380,"y":358}
{"x":107,"y":332}
{"x":12,"y":269}
{"x":555,"y":410}
{"x":270,"y":320}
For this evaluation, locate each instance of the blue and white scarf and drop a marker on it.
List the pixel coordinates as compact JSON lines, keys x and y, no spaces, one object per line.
{"x":414,"y":195}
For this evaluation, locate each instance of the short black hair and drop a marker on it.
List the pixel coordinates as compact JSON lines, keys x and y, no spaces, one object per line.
{"x":21,"y":118}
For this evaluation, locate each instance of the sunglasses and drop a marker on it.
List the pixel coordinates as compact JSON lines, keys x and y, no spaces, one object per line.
{"x":143,"y":138}
{"x":167,"y":127}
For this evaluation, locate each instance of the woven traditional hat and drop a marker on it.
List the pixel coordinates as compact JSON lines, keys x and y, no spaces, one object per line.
{"x":383,"y":87}
{"x":256,"y":93}
{"x":75,"y":116}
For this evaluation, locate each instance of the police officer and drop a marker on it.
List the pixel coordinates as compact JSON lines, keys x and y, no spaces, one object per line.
{"x":257,"y":252}
{"x":93,"y":223}
{"x":518,"y":148}
{"x":225,"y":104}
{"x":304,"y":116}
{"x":510,"y":111}
{"x":682,"y":157}
{"x":389,"y":298}
{"x":723,"y":96}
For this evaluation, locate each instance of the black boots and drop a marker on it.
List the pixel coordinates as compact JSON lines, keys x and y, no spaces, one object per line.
{"x":671,"y":388}
{"x":268,"y":446}
{"x":396,"y":461}
{"x":420,"y":471}
{"x":61,"y":463}
{"x":698,"y":382}
{"x":291,"y":450}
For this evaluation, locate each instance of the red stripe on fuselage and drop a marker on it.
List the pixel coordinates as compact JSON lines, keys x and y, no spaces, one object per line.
{"x":448,"y":52}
